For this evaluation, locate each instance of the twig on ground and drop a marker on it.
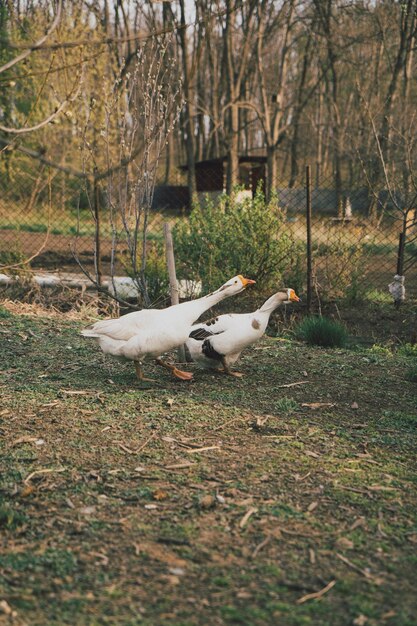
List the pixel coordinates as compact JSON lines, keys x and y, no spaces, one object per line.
{"x":194,"y":450}
{"x":317,"y":594}
{"x":301,"y":382}
{"x":354,"y":567}
{"x":260,"y":546}
{"x":179,"y":466}
{"x":246,"y":517}
{"x":43,"y":471}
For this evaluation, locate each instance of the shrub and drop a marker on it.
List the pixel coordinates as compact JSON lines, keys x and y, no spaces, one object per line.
{"x":411,"y":374}
{"x":156,"y":273}
{"x":232,"y":237}
{"x":320,"y":331}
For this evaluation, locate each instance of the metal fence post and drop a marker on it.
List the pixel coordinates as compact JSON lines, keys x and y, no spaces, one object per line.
{"x":309,"y":252}
{"x":400,"y":258}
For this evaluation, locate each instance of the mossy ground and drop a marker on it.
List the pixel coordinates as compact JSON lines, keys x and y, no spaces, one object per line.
{"x":216,"y":502}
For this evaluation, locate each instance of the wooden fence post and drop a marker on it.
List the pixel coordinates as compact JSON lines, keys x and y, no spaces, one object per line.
{"x":309,"y":251}
{"x":173,"y":284}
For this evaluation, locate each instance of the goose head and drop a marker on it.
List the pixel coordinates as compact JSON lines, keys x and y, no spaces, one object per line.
{"x":236,"y":285}
{"x":286,"y":296}
{"x":291,"y":296}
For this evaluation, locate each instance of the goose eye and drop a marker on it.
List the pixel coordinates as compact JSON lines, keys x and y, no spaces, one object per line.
{"x":235,"y":282}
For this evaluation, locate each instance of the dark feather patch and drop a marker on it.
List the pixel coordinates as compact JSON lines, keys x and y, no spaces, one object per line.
{"x":200,"y":333}
{"x":210,"y":352}
{"x":213,"y":320}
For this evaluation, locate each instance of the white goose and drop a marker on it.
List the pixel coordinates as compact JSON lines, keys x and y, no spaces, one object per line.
{"x":218,"y":343}
{"x":152,"y":332}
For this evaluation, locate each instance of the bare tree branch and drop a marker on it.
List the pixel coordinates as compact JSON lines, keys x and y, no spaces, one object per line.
{"x":37,"y":45}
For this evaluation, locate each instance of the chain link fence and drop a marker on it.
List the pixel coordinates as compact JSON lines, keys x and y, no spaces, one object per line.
{"x":48,"y":224}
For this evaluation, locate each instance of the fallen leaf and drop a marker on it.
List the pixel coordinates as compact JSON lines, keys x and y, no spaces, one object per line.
{"x":27,"y":490}
{"x":207,"y":502}
{"x":151,"y":507}
{"x":7,"y":609}
{"x":88,"y":510}
{"x":388,"y":615}
{"x":312,"y":556}
{"x":177,"y":571}
{"x":354,"y":405}
{"x":170,"y":401}
{"x":344,"y":543}
{"x":172,"y":580}
{"x":313,"y":454}
{"x":312,"y":506}
{"x":360,"y":521}
{"x":160,"y":495}
{"x":360,"y":620}
{"x":160,"y":553}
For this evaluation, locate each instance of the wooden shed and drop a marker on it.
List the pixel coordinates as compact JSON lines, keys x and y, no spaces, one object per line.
{"x":211,"y":173}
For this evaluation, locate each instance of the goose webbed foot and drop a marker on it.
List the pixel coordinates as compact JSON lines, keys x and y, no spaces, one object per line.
{"x":226,"y":370}
{"x":180,"y":374}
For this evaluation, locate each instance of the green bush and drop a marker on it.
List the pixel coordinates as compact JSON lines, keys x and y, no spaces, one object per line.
{"x":156,"y":273}
{"x":320,"y":331}
{"x":231,"y":237}
{"x":411,"y":374}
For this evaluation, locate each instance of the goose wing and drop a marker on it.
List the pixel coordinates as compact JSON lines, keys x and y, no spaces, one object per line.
{"x":125,"y":327}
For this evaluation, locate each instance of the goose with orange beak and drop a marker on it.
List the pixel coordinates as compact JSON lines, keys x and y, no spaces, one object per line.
{"x":150,"y":333}
{"x":218,"y":343}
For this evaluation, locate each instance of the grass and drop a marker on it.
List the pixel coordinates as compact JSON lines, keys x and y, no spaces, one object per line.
{"x":214,"y":503}
{"x":321,"y":331}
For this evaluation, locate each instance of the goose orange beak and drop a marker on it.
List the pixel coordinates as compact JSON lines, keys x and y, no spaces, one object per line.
{"x":294,"y":297}
{"x":247,"y":281}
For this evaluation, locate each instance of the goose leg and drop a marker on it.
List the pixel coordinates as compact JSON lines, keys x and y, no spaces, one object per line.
{"x":176,"y":372}
{"x":226,"y":369}
{"x":139,"y":373}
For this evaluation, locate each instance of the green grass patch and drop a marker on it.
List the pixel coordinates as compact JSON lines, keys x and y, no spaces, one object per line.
{"x":321,"y":331}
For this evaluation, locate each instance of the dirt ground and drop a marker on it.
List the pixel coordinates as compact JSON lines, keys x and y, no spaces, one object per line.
{"x":286,"y":497}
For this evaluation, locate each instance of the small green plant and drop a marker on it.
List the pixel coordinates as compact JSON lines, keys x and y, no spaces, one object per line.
{"x":408,"y":349}
{"x":321,"y":331}
{"x":411,"y":374}
{"x":4,"y":313}
{"x":286,"y":405}
{"x":10,"y":518}
{"x":378,"y":297}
